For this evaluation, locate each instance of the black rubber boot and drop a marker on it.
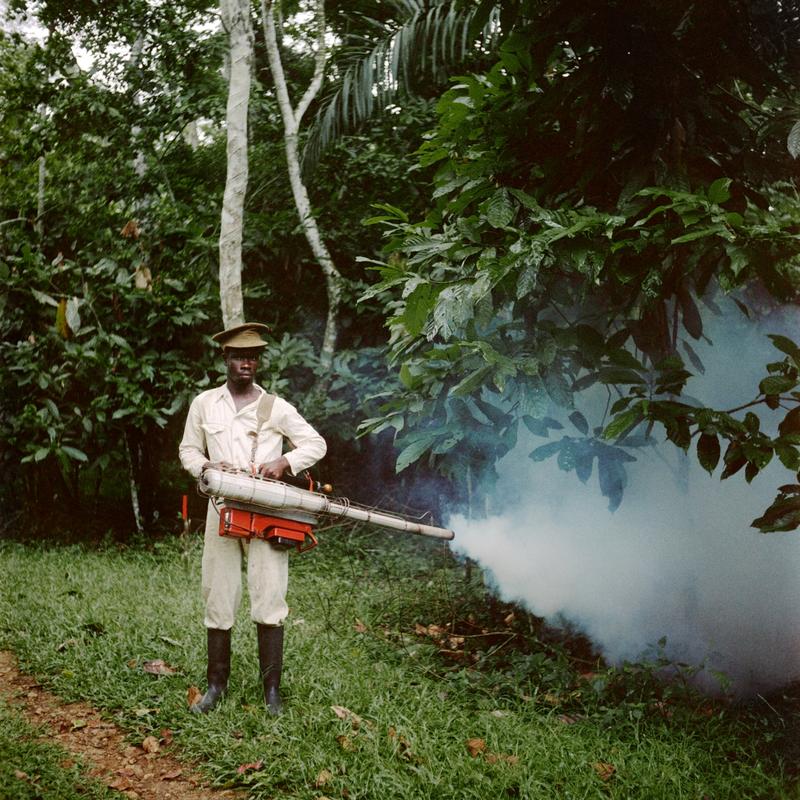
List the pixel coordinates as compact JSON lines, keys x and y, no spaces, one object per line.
{"x":270,"y":660}
{"x":218,"y":672}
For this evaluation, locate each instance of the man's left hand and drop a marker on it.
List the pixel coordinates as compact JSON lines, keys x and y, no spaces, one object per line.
{"x":274,"y":469}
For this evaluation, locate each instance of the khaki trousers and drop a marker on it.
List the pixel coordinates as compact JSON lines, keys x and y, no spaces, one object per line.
{"x":267,"y":578}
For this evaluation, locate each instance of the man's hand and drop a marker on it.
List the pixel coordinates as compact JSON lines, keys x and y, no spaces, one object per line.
{"x":274,"y":469}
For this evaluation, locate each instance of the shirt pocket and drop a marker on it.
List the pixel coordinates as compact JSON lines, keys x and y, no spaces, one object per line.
{"x":215,"y":433}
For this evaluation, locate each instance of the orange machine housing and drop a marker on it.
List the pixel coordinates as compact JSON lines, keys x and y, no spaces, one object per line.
{"x":281,"y":532}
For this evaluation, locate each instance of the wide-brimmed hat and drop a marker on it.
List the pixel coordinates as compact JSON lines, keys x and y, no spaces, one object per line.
{"x":246,"y":336}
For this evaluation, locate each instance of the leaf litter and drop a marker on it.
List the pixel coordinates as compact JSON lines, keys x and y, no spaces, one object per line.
{"x":141,"y":772}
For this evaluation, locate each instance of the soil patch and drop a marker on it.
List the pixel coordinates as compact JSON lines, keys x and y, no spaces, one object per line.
{"x":143,"y":772}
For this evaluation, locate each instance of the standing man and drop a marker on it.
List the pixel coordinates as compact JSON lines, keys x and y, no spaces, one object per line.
{"x":228,"y":427}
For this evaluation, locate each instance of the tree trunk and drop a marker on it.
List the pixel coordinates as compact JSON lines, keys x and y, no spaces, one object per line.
{"x":237,"y":23}
{"x":39,"y":225}
{"x":291,"y":123}
{"x":134,"y":487}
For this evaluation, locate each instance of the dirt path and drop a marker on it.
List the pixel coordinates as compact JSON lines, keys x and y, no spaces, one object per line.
{"x":143,"y":772}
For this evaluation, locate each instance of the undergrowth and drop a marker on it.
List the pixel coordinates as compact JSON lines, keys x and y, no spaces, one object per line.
{"x":404,"y":678}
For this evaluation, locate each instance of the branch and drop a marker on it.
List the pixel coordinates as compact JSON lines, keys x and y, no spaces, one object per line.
{"x":319,"y":65}
{"x":755,"y":403}
{"x":276,"y":66}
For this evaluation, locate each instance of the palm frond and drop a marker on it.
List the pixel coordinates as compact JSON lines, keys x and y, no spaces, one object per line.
{"x":430,"y":40}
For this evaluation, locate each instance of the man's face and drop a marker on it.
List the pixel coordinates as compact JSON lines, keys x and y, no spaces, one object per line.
{"x":242,"y":365}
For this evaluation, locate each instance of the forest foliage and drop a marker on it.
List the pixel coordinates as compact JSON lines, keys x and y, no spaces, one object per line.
{"x":552,"y":210}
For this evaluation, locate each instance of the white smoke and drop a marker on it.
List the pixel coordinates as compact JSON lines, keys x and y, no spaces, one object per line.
{"x":678,"y":559}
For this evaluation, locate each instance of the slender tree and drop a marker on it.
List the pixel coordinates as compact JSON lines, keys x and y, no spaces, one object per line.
{"x":292,"y":118}
{"x":237,"y":23}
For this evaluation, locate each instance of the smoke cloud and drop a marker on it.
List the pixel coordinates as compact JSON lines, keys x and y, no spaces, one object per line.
{"x":678,"y":559}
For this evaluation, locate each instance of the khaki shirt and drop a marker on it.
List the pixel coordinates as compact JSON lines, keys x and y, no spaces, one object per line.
{"x":216,"y":431}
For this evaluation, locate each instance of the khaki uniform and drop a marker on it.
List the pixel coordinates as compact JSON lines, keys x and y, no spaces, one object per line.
{"x":216,"y":431}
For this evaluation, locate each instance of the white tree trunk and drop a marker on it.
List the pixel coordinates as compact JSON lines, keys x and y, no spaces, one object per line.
{"x":237,"y":23}
{"x":291,"y":124}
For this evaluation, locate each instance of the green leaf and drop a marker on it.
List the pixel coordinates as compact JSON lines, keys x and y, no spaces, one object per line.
{"x":579,"y":421}
{"x":536,"y":426}
{"x":413,"y":452}
{"x":719,"y":191}
{"x":623,"y":423}
{"x":614,"y":375}
{"x":734,"y":460}
{"x":41,"y":454}
{"x":694,"y":358}
{"x":499,"y":209}
{"x":776,"y":384}
{"x":472,"y":381}
{"x":786,"y":345}
{"x":691,"y":316}
{"x":545,"y":451}
{"x":788,"y":455}
{"x":613,"y":479}
{"x":793,"y":140}
{"x":782,"y":515}
{"x":558,"y":389}
{"x":708,"y":451}
{"x":419,"y":304}
{"x":74,"y":453}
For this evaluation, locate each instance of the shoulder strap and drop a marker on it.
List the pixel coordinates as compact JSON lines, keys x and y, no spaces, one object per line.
{"x":264,"y":410}
{"x":263,"y":413}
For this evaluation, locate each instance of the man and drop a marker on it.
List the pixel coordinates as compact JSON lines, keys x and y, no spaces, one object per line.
{"x":226,"y":428}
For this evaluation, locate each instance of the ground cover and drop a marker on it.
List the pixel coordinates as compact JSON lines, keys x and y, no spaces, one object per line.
{"x":405,"y":678}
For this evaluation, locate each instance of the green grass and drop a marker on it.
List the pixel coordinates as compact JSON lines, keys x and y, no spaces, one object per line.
{"x":85,"y":620}
{"x":32,"y":769}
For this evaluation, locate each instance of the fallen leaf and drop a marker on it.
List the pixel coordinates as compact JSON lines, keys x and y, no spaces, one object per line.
{"x":242,"y":768}
{"x":65,"y":644}
{"x":360,"y":627}
{"x":604,"y":770}
{"x":552,"y":699}
{"x":143,"y":712}
{"x":133,"y":663}
{"x":347,"y":715}
{"x":150,"y":744}
{"x":170,"y":641}
{"x":502,"y":758}
{"x":121,"y":784}
{"x":158,"y":667}
{"x":166,"y":736}
{"x":569,"y":719}
{"x":193,"y":695}
{"x":500,"y":713}
{"x":23,"y":776}
{"x":475,"y":746}
{"x":67,"y":763}
{"x":323,"y":779}
{"x":509,"y":619}
{"x":346,"y":743}
{"x":172,"y":775}
{"x":77,"y":724}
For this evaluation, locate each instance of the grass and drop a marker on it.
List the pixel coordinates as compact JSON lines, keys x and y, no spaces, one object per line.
{"x":32,"y":769}
{"x":441,"y":691}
